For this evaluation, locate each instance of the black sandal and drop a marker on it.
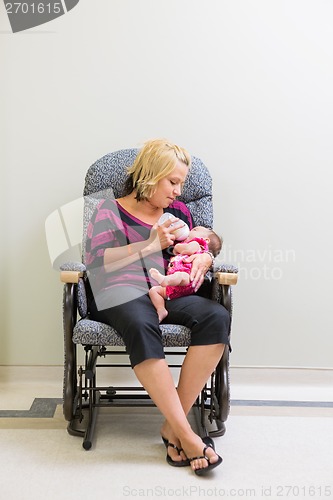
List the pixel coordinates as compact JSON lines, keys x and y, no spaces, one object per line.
{"x":175,"y":463}
{"x":211,"y":466}
{"x":208,"y":442}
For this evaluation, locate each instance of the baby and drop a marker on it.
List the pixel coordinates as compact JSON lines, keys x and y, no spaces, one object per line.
{"x":177,"y":282}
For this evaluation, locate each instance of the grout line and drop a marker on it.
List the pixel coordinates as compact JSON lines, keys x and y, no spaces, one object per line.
{"x":279,"y":403}
{"x":45,"y":407}
{"x":267,"y":367}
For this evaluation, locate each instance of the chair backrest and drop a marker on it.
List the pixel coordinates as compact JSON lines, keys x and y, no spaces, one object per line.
{"x":106,"y":178}
{"x":109,"y":174}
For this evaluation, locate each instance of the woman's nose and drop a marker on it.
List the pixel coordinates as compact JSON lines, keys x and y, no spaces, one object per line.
{"x":177,"y":190}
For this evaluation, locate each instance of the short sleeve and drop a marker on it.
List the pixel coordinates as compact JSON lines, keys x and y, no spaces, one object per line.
{"x":103,"y":232}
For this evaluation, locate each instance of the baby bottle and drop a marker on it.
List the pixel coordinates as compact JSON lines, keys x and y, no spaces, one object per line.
{"x":181,"y":233}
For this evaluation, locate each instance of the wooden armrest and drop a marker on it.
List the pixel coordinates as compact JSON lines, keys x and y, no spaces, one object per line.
{"x":70,"y":276}
{"x":226,"y":278}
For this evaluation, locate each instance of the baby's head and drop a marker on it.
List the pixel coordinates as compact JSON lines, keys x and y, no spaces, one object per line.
{"x":214,"y":240}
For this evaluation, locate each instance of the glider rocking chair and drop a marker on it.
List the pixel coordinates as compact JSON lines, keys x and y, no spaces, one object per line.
{"x":82,"y":396}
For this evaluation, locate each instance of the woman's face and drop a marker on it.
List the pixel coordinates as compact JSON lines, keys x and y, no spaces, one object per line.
{"x":170,"y":186}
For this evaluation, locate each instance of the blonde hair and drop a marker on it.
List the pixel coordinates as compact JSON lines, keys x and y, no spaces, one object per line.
{"x":156,"y":160}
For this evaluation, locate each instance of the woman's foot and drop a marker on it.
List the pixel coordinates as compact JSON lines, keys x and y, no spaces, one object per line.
{"x":172,"y":443}
{"x":199,"y":454}
{"x":202,"y":457}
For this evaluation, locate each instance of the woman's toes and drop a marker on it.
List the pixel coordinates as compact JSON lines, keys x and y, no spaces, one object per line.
{"x":212,"y":456}
{"x":176,"y":454}
{"x":182,"y":454}
{"x":173,"y":453}
{"x":202,"y":463}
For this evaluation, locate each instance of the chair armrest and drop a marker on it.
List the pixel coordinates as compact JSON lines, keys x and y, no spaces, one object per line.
{"x":226,"y":274}
{"x":71,"y":272}
{"x":226,"y":278}
{"x":70,"y":276}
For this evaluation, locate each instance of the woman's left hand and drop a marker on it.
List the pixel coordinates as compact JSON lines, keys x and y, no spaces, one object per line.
{"x":201,"y":263}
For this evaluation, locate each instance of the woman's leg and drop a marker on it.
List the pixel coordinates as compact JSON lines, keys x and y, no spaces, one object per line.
{"x":155,"y":377}
{"x":193,"y":376}
{"x":209,"y":323}
{"x":138,"y":324}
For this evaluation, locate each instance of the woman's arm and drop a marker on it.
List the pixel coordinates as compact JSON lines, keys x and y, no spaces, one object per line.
{"x":119,"y":257}
{"x":160,"y":238}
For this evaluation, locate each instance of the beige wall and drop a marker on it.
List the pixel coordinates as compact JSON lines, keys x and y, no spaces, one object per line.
{"x":245,"y":85}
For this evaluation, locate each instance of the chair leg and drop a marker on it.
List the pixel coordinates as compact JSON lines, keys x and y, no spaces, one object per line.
{"x":77,"y":417}
{"x":70,"y":379}
{"x":222,"y":391}
{"x":94,"y":399}
{"x":213,"y":404}
{"x":200,"y":414}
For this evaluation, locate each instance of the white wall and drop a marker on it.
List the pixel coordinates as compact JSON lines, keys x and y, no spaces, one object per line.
{"x":245,"y":85}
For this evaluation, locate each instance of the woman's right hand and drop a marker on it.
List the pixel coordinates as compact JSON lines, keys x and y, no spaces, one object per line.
{"x":162,"y":236}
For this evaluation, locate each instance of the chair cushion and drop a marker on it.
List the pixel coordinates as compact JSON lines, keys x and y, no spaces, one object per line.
{"x":89,"y":332}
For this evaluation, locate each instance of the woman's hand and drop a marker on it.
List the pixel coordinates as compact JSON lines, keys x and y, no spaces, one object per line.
{"x":162,"y":236}
{"x":201,"y":263}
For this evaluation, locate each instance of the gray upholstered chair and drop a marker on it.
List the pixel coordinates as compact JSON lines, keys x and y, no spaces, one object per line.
{"x":82,"y":395}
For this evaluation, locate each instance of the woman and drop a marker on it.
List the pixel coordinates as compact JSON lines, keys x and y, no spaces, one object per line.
{"x":123,"y":241}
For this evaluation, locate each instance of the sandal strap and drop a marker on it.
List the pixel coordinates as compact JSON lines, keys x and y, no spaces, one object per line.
{"x":202,"y":456}
{"x":175,"y":447}
{"x":197,"y":458}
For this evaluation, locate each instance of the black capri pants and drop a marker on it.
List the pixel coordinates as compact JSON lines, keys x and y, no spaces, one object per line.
{"x":137,"y":323}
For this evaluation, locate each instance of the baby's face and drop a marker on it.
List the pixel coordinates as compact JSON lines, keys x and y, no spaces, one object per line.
{"x":198,"y":232}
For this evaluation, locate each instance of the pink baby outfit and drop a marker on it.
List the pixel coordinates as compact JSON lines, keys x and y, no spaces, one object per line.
{"x":177,"y":264}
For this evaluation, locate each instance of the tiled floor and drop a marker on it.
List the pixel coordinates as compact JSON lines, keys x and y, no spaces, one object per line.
{"x":278,"y":444}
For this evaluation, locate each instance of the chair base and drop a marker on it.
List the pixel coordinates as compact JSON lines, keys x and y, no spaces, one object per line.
{"x":211,"y":409}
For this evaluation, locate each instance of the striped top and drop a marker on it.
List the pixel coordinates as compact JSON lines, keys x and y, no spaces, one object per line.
{"x":112,"y":226}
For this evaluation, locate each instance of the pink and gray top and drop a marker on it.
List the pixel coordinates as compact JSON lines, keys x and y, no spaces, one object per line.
{"x":112,"y":226}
